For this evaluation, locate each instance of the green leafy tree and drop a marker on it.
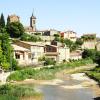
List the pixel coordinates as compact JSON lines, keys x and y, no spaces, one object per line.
{"x":6,"y":46}
{"x":89,"y":54}
{"x":68,"y":43}
{"x":15,"y":29}
{"x":79,"y":41}
{"x":5,"y":65}
{"x":1,"y":56}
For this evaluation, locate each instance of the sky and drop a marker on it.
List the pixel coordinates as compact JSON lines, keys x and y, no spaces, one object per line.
{"x":81,"y":16}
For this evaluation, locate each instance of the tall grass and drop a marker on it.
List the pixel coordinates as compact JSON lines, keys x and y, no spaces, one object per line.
{"x":45,"y":73}
{"x":15,"y":92}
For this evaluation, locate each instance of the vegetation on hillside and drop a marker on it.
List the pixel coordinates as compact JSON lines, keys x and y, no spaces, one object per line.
{"x":72,"y":45}
{"x":30,"y":38}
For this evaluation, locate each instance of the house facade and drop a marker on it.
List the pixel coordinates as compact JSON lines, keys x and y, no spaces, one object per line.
{"x":22,"y":55}
{"x":89,"y":41}
{"x":14,"y":18}
{"x":71,"y":35}
{"x":98,"y":46}
{"x":39,"y":49}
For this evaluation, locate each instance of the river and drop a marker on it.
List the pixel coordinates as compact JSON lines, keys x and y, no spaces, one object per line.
{"x":67,"y":89}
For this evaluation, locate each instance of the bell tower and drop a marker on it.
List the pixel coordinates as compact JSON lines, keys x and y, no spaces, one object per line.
{"x":33,"y":22}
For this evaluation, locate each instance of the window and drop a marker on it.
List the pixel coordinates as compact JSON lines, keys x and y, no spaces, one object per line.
{"x":17,"y":56}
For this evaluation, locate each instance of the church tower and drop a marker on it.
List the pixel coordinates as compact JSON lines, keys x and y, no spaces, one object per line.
{"x":33,"y":22}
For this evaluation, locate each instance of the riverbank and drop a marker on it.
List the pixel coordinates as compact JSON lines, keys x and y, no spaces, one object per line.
{"x":68,"y":82}
{"x":94,"y":74}
{"x":18,"y":92}
{"x":47,"y":73}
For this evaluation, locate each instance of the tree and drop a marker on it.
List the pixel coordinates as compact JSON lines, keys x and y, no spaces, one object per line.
{"x":68,"y":43}
{"x":1,"y":56}
{"x":79,"y":41}
{"x":2,"y":21}
{"x":89,"y":54}
{"x":6,"y":46}
{"x":15,"y":29}
{"x":97,"y":58}
{"x":8,"y":20}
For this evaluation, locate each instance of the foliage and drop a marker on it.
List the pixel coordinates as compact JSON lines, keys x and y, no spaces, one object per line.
{"x":93,"y":54}
{"x":79,"y":41}
{"x":49,"y":61}
{"x":89,"y":53}
{"x":97,"y":58}
{"x":6,"y":46}
{"x":8,"y":21}
{"x":72,"y":45}
{"x":15,"y":92}
{"x":2,"y":21}
{"x":37,"y":33}
{"x":88,"y":37}
{"x":5,"y":65}
{"x":5,"y":51}
{"x":14,"y":65}
{"x":15,"y":29}
{"x":46,"y":73}
{"x":27,"y":37}
{"x":95,"y":74}
{"x":56,"y":35}
{"x":1,"y":55}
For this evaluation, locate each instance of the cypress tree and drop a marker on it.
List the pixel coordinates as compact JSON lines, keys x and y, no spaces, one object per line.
{"x":8,"y":20}
{"x":2,"y":21}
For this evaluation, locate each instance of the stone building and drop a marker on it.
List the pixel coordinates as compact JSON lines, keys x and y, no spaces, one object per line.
{"x":89,"y":41}
{"x":33,"y":51}
{"x":71,"y":35}
{"x":32,"y":28}
{"x":14,"y":18}
{"x":98,"y":46}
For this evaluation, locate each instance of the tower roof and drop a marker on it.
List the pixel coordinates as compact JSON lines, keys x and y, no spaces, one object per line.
{"x":33,"y":15}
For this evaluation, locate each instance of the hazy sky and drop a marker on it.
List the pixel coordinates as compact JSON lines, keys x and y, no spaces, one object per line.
{"x":82,"y":16}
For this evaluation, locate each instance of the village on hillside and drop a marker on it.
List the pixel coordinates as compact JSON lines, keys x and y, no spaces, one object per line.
{"x":53,"y":44}
{"x":42,"y":64}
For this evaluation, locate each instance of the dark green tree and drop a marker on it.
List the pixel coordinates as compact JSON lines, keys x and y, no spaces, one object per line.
{"x":8,"y":20}
{"x":89,"y":54}
{"x":97,"y":58}
{"x":15,"y":29}
{"x":2,"y":21}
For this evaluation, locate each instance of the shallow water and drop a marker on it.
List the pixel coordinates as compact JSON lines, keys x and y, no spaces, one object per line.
{"x":57,"y":92}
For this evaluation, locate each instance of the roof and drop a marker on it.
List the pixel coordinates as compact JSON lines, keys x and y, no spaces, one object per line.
{"x":18,"y":48}
{"x":41,"y":44}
